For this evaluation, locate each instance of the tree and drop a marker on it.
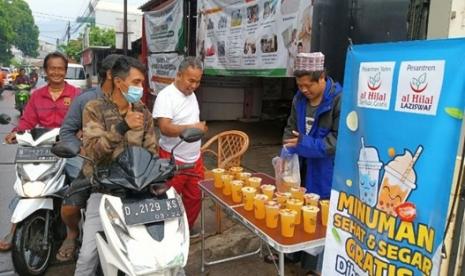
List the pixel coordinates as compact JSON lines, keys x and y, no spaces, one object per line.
{"x":26,"y":32}
{"x":73,"y":49}
{"x":6,"y":35}
{"x":97,"y":37}
{"x":17,"y":28}
{"x":101,"y":37}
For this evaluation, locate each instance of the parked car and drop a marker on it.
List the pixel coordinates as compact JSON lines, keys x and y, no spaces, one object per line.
{"x":76,"y":75}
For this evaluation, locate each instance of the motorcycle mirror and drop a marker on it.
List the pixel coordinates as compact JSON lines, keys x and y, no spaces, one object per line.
{"x":190,"y":135}
{"x":66,"y":149}
{"x":4,"y":119}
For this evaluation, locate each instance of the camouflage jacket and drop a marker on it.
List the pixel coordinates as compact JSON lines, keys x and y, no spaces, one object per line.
{"x":104,"y":138}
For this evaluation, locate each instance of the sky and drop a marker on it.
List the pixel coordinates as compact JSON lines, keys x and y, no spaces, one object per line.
{"x":52,"y":16}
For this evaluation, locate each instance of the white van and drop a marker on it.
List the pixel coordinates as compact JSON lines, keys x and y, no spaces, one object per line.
{"x":76,"y":75}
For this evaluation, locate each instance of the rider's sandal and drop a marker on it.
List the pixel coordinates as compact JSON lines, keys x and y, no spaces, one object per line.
{"x":6,"y":243}
{"x":67,"y":251}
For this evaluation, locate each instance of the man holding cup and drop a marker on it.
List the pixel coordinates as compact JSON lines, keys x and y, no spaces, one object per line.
{"x":312,"y":128}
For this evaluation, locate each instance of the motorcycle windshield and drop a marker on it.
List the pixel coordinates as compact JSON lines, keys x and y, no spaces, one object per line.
{"x":38,"y":137}
{"x":37,"y":132}
{"x":135,"y":169}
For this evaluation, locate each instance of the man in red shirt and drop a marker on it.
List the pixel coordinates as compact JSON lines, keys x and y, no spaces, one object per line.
{"x":46,"y":108}
{"x":49,"y":104}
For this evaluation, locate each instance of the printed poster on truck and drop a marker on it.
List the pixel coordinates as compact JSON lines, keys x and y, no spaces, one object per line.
{"x":399,"y":133}
{"x":164,"y":28}
{"x":162,"y":70}
{"x":253,"y":38}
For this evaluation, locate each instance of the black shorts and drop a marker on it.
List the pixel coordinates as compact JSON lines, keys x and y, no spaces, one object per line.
{"x":78,"y":192}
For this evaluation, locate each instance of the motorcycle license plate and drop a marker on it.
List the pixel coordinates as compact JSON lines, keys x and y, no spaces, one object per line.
{"x":151,"y":210}
{"x":35,"y":154}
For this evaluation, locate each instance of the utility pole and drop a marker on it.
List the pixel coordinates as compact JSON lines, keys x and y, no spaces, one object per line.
{"x":125,"y":28}
{"x":68,"y":31}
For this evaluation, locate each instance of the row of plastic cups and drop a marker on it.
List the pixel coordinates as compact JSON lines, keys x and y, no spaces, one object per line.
{"x":272,"y":213}
{"x":229,"y":186}
{"x":235,"y":172}
{"x":259,"y":202}
{"x":289,"y":200}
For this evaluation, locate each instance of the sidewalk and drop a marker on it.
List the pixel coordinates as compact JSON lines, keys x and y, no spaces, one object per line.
{"x":265,"y":143}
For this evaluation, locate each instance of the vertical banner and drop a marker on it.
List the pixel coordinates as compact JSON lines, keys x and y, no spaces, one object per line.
{"x":253,"y":38}
{"x":164,"y":28}
{"x":399,"y":132}
{"x":162,"y":70}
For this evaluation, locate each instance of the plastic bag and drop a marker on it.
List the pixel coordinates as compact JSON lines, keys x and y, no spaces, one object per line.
{"x":287,"y":170}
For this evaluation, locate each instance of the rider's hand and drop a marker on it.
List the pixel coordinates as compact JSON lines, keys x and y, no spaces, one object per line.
{"x":134,"y":119}
{"x":10,"y":138}
{"x":202,"y":126}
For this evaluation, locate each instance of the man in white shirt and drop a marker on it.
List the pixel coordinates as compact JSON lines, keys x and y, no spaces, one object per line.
{"x":176,"y":108}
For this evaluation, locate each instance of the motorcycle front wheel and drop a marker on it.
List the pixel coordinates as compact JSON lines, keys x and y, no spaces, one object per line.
{"x":31,"y":251}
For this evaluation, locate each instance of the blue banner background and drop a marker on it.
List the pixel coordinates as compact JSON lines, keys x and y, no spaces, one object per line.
{"x":384,"y":129}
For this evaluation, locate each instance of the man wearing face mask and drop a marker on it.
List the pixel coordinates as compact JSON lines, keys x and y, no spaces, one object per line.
{"x":71,"y":132}
{"x":176,"y":109}
{"x":109,"y":123}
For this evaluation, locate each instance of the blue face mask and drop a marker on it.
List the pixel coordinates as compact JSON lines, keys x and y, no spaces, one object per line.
{"x":134,"y":94}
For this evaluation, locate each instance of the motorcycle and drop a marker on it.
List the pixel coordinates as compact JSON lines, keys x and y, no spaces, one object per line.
{"x":22,"y":96}
{"x":40,"y":184}
{"x":145,"y":228}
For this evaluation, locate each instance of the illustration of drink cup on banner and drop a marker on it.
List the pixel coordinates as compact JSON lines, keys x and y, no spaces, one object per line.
{"x":398,"y":181}
{"x":368,"y":171}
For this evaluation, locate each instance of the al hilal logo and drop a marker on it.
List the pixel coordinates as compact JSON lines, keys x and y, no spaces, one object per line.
{"x":418,"y":101}
{"x":374,"y":82}
{"x":418,"y":85}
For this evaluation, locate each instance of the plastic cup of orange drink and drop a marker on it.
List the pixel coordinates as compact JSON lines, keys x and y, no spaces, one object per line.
{"x":268,"y":190}
{"x":255,"y":182}
{"x":298,"y":192}
{"x":309,"y":218}
{"x":217,"y":173}
{"x":287,"y":222}
{"x":236,"y":186}
{"x":244,"y":176}
{"x":272,"y":213}
{"x":282,"y":198}
{"x":259,"y":205}
{"x":296,"y":205}
{"x":311,"y":199}
{"x":289,"y":182}
{"x":248,"y":195}
{"x":227,"y":178}
{"x":235,"y":171}
{"x":324,"y":211}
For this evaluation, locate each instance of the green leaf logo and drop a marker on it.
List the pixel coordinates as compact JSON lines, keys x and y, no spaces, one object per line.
{"x":454,"y":112}
{"x":336,"y":235}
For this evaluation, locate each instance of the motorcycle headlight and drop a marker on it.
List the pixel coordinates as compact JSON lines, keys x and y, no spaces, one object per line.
{"x":120,"y":229}
{"x":33,"y":188}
